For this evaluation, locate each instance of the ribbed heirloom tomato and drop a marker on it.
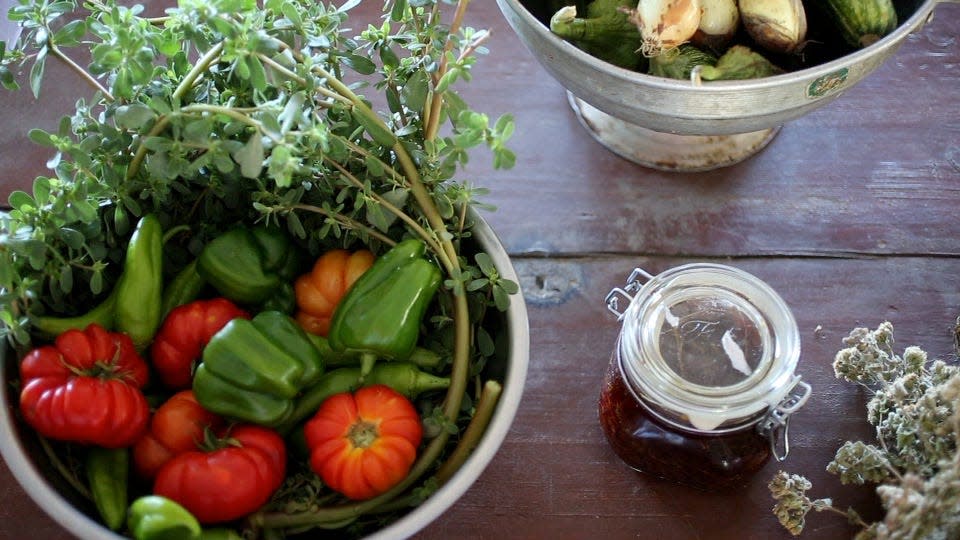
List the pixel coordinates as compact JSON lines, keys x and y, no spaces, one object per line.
{"x":184,"y":333}
{"x":232,"y":478}
{"x":319,"y":291}
{"x":85,"y":388}
{"x":179,"y":425}
{"x":364,"y":443}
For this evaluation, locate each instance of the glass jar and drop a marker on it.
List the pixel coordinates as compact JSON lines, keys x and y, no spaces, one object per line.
{"x":701,"y":383}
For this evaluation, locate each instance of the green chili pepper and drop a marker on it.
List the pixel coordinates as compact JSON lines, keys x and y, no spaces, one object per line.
{"x":107,"y":470}
{"x":153,"y":517}
{"x":184,"y":288}
{"x":103,"y":314}
{"x":381,"y":313}
{"x":420,"y":357}
{"x":248,"y":266}
{"x":404,"y":377}
{"x":253,"y":369}
{"x":140,"y":288}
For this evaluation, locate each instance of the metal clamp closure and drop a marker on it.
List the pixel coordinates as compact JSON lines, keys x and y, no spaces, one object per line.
{"x":775,"y":425}
{"x":633,"y":285}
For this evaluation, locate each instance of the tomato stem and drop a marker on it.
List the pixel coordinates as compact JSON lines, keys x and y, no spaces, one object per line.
{"x":363,"y":433}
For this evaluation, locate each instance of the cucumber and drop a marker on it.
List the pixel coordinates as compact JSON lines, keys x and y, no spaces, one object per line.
{"x":861,"y":22}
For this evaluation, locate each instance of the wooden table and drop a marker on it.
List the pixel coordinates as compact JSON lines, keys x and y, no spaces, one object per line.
{"x":851,"y":214}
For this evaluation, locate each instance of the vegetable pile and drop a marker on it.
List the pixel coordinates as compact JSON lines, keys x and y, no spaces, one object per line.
{"x":705,"y":40}
{"x":245,"y":301}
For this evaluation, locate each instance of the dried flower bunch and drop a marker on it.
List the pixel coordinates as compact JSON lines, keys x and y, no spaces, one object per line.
{"x":914,"y":461}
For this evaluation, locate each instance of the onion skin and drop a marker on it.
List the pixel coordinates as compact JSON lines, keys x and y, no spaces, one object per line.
{"x":776,"y":25}
{"x":719,"y":20}
{"x":666,"y":24}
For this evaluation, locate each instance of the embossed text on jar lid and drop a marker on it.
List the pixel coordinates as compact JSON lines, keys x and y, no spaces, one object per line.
{"x":711,"y":347}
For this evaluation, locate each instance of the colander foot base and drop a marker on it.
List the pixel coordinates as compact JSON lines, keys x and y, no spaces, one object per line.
{"x":667,"y":151}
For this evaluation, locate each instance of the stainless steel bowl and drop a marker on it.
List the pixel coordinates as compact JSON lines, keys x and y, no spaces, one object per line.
{"x":43,"y":484}
{"x":614,"y":103}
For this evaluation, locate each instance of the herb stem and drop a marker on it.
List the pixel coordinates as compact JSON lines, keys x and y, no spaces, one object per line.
{"x":202,"y":64}
{"x":281,"y":69}
{"x":489,"y":397}
{"x":232,"y":113}
{"x":55,"y":51}
{"x":432,"y":123}
{"x":345,"y":221}
{"x":141,"y":152}
{"x":64,"y":471}
{"x":426,"y":236}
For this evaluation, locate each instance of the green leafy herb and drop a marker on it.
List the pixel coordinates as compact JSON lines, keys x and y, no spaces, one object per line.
{"x":915,"y":460}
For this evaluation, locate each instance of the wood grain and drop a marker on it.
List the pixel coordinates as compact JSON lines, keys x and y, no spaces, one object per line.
{"x":851,"y":214}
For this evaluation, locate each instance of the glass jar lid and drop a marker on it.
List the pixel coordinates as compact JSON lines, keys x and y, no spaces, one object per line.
{"x":709,"y":347}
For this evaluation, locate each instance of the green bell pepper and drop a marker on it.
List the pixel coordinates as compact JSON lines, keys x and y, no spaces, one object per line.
{"x":381,"y":313}
{"x":153,"y":517}
{"x":421,"y":357}
{"x":253,"y":370}
{"x":249,"y":266}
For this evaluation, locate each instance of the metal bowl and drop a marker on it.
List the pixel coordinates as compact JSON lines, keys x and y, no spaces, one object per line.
{"x":640,"y":116}
{"x":28,"y":463}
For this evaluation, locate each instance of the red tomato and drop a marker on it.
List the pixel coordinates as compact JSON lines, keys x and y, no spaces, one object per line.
{"x":229,"y":482}
{"x":319,"y":291}
{"x":364,"y":443}
{"x":184,"y":334}
{"x":85,"y":388}
{"x":177,"y":426}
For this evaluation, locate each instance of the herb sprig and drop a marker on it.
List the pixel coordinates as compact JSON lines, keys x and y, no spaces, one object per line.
{"x":237,"y":111}
{"x":915,"y":460}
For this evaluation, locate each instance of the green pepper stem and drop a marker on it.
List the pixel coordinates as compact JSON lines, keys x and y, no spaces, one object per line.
{"x":367,"y":360}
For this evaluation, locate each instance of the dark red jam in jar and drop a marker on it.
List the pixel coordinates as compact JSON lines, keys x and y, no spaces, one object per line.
{"x":701,"y":383}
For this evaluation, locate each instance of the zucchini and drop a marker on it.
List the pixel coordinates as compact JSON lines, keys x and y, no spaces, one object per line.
{"x":606,"y":32}
{"x":739,"y":62}
{"x":861,"y":22}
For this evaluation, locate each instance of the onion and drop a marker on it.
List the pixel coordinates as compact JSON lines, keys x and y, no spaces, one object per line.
{"x":776,"y":25}
{"x":665,"y":24}
{"x":718,"y":23}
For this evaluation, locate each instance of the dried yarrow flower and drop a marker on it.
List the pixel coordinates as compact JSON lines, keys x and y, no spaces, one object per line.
{"x":915,"y":461}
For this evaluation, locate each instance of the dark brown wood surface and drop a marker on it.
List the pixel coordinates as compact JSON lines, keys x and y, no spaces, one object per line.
{"x":852,"y":213}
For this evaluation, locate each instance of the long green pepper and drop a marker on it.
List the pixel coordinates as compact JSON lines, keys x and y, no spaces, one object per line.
{"x":134,"y":306}
{"x":404,"y":377}
{"x":381,"y":313}
{"x":107,"y":470}
{"x":138,"y":308}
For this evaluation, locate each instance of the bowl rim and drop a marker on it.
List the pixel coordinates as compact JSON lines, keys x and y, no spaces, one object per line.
{"x":891,"y":40}
{"x":76,"y":522}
